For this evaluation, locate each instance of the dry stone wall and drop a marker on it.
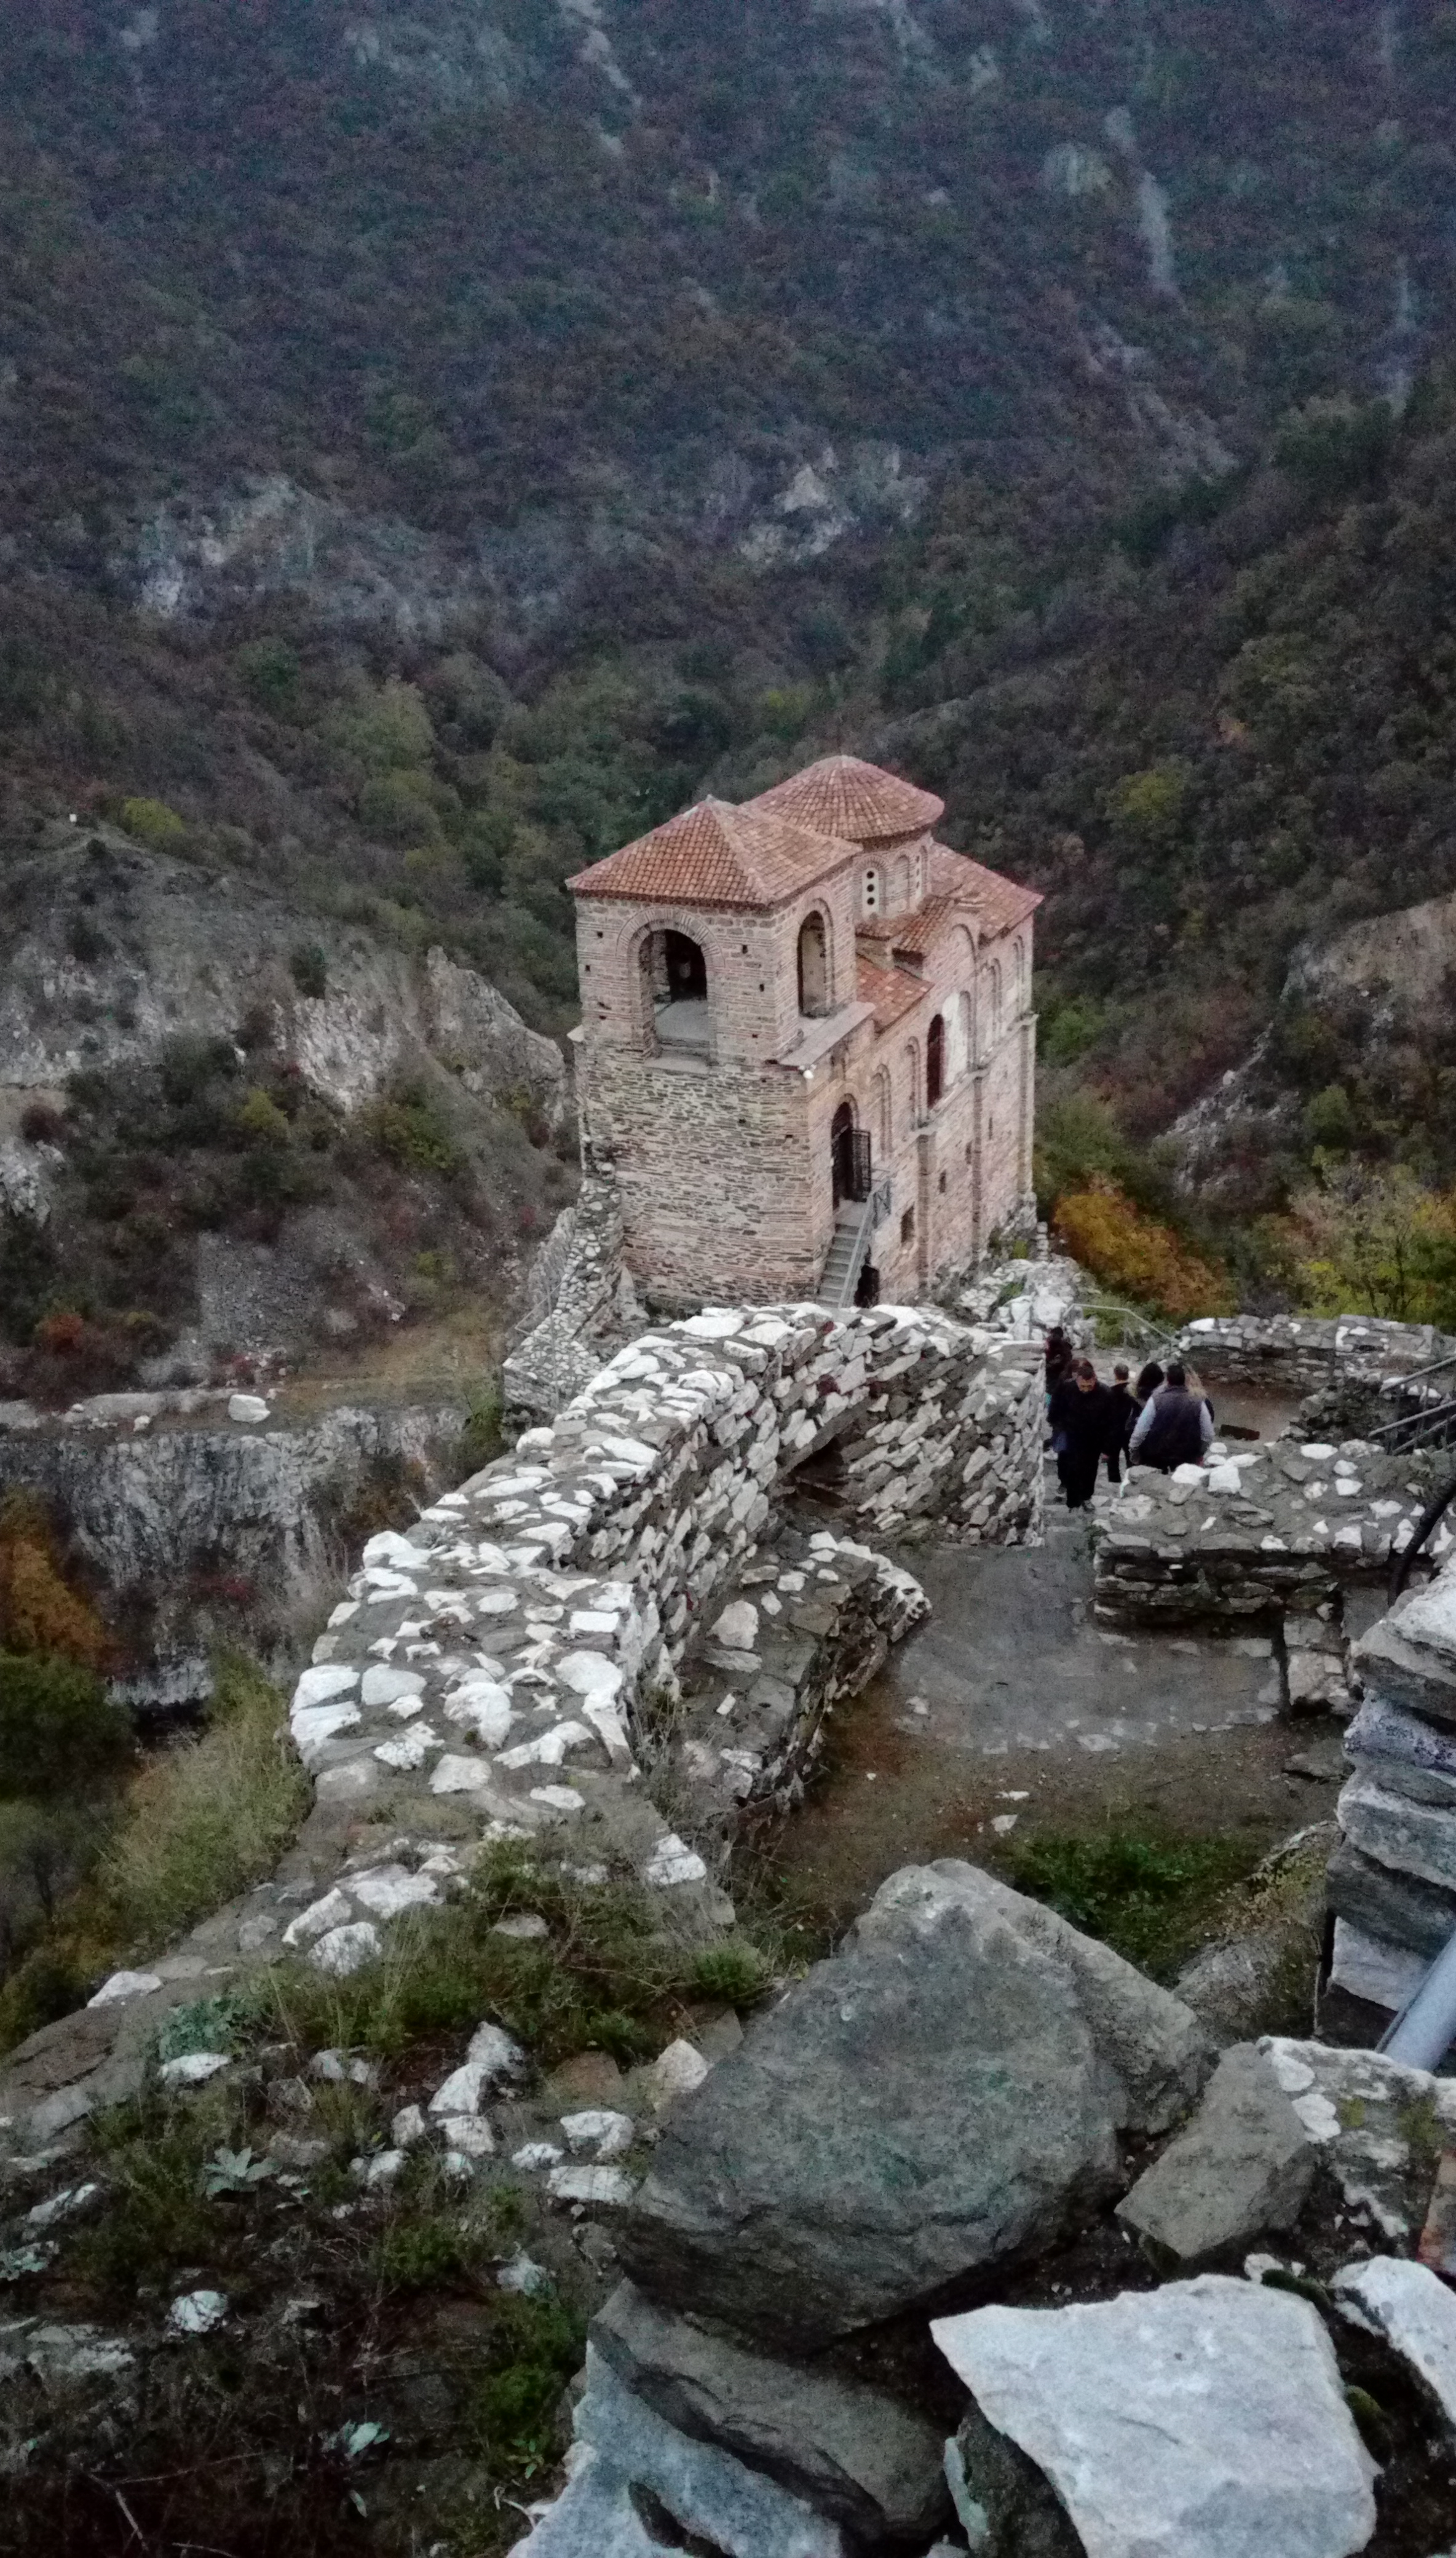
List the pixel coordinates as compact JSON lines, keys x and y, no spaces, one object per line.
{"x":1392,"y":1877}
{"x":1308,"y":1354}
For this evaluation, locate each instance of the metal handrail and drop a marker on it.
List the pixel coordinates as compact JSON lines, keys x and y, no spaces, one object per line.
{"x":1417,"y":1376}
{"x":1417,"y":1429}
{"x":1137,"y":1326}
{"x":873,"y":1213}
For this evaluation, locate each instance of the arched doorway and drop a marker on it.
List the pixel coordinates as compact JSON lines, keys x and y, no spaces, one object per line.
{"x":935,"y":1060}
{"x":813,"y":966}
{"x":849,"y":1148}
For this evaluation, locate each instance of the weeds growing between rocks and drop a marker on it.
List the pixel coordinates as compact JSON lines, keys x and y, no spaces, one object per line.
{"x":1152,"y":1899}
{"x":369,"y":2384}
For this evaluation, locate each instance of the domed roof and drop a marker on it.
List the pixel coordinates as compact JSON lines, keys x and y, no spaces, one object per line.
{"x":716,"y":855}
{"x":840,"y":795}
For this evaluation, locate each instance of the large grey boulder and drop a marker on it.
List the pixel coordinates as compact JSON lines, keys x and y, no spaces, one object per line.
{"x":942,"y":2096}
{"x":1205,"y":2419}
{"x":637,"y":2489}
{"x":1243,"y":2165}
{"x":848,"y":2451}
{"x":1155,"y":2048}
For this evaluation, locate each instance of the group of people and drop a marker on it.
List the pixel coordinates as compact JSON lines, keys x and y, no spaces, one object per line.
{"x":1160,"y":1421}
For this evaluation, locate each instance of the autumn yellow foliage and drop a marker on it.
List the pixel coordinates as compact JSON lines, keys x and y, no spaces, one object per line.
{"x":1136,"y":1257}
{"x":39,"y":1611}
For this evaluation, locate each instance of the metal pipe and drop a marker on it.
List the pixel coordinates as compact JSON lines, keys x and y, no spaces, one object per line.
{"x":1426,"y":2029}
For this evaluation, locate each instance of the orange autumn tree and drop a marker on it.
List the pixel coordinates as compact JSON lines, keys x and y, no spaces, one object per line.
{"x":39,"y":1611}
{"x":1134,"y":1256}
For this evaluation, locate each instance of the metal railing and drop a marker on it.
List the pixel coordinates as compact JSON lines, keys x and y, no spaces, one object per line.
{"x":838,"y":1291}
{"x":1432,"y":1424}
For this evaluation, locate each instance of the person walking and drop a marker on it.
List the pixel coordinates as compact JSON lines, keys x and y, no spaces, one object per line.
{"x":1078,"y":1419}
{"x":1173,"y":1427}
{"x":1149,"y":1380}
{"x":1121,"y":1415}
{"x":1060,"y":1357}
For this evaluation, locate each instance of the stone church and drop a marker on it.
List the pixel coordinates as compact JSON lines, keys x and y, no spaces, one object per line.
{"x":806,"y":1050}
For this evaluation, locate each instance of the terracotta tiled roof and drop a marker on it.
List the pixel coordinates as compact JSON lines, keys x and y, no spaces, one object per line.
{"x":1000,"y":903}
{"x":716,"y":855}
{"x":856,"y":801}
{"x":892,"y":991}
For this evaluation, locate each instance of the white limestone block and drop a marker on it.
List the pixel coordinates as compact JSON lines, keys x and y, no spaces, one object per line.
{"x":193,"y":2069}
{"x":382,"y":1686}
{"x":607,"y":2134}
{"x":330,"y":1910}
{"x":589,"y":1674}
{"x":345,"y":1950}
{"x":126,"y":1985}
{"x":561,"y":1799}
{"x":198,"y":2313}
{"x":674,"y":1862}
{"x":606,"y":2187}
{"x":385,"y":1889}
{"x":481,"y":1707}
{"x":1203,"y":2420}
{"x":317,"y":1686}
{"x":1410,"y":2307}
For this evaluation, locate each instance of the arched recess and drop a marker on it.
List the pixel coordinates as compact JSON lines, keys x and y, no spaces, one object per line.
{"x":883,"y":1106}
{"x":814,"y":966}
{"x":902,"y":885}
{"x":674,"y":978}
{"x":849,"y":1150}
{"x":936,"y":1061}
{"x":912,"y":1086}
{"x":964,"y":1032}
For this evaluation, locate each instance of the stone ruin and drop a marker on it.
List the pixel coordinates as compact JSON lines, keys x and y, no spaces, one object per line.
{"x":974,"y":2242}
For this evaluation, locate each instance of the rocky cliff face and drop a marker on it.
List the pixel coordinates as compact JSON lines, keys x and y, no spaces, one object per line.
{"x":1364,"y":1033}
{"x":196,"y":1535}
{"x":106,"y":951}
{"x":408,"y":1133}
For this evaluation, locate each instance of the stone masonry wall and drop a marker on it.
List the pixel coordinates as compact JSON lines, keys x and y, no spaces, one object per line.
{"x":1306,"y":1353}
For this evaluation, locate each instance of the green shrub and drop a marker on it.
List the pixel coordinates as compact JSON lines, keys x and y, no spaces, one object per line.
{"x":152,"y":822}
{"x":396,"y":809}
{"x":260,"y":1120}
{"x":479,"y":1440}
{"x":407,"y":1127}
{"x":309,"y":967}
{"x":59,"y":1729}
{"x":271,"y":672}
{"x":206,"y":1820}
{"x":735,"y":1972}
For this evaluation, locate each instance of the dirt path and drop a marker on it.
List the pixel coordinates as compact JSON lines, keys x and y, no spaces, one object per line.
{"x":1010,"y":1719}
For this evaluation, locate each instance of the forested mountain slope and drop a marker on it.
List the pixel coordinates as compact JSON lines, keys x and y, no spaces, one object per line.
{"x":435,"y":442}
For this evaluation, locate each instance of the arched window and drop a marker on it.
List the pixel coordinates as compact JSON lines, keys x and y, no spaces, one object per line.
{"x":883,"y":1121}
{"x":675,"y":989}
{"x":1020,"y":950}
{"x":870,"y":890}
{"x":912,"y":1087}
{"x":964,"y":1040}
{"x":902,"y":885}
{"x":813,"y":966}
{"x":935,"y":1060}
{"x":995,"y":999}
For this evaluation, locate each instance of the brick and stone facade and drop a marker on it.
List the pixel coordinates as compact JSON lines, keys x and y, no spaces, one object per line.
{"x":765,"y":988}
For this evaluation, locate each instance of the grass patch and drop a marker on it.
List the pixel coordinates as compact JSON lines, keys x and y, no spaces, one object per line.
{"x":606,"y":1977}
{"x":198,"y":1826}
{"x":1152,"y":1899}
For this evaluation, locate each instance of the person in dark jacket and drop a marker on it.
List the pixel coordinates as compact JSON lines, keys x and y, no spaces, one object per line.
{"x":1149,"y":1380}
{"x":1060,"y":1357}
{"x":1173,"y":1428}
{"x":1079,"y":1418}
{"x":1121,"y":1415}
